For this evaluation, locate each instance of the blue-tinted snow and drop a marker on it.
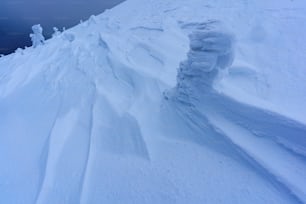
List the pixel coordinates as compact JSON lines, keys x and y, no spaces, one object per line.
{"x":160,"y":102}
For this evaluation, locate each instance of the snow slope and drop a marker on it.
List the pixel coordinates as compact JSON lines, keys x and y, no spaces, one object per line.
{"x":128,"y":107}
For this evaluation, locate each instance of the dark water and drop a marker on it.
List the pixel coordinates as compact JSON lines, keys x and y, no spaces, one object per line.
{"x":18,"y":16}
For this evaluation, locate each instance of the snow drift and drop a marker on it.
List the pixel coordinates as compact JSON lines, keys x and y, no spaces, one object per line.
{"x":160,"y":102}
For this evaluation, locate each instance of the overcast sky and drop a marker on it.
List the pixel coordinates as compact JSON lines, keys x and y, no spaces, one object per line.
{"x":17,"y":17}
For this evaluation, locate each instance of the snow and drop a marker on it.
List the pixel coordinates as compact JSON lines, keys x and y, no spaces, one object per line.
{"x":160,"y":101}
{"x":37,"y":37}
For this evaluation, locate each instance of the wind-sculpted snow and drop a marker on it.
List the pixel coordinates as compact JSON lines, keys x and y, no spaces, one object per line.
{"x":237,"y":126}
{"x":101,"y":114}
{"x":210,"y":52}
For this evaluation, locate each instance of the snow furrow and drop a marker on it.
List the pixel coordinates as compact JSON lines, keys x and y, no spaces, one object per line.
{"x":268,"y":155}
{"x":89,"y":147}
{"x":45,"y":156}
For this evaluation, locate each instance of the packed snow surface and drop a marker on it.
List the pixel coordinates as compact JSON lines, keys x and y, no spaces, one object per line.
{"x":160,"y":101}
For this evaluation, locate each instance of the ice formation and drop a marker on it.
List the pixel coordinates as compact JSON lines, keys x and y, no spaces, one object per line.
{"x":210,"y":52}
{"x":37,"y":37}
